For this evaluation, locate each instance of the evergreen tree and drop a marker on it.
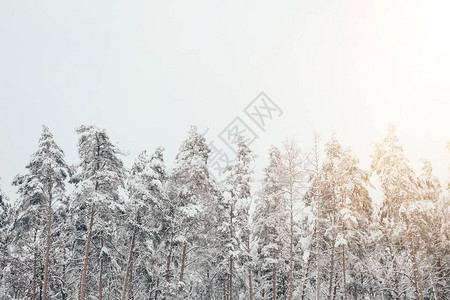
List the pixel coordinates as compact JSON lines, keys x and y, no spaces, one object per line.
{"x":149,"y":224}
{"x":99,"y":176}
{"x":192,"y":196}
{"x":237,"y":201}
{"x":271,"y":227}
{"x":294,"y":170}
{"x":5,"y":261}
{"x":402,"y":192}
{"x":44,"y":183}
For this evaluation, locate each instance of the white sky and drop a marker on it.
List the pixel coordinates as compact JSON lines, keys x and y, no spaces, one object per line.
{"x":147,"y":70}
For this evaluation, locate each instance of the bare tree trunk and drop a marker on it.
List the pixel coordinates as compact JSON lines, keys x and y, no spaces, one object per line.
{"x":318,"y":267}
{"x":250,"y":283}
{"x":343,"y":272}
{"x":63,"y":290}
{"x":183,"y":261}
{"x":130,"y":257}
{"x":333,"y":221}
{"x":49,"y":224}
{"x":82,"y":291}
{"x":169,"y":257}
{"x":417,"y":281}
{"x":130,"y":282}
{"x":316,"y":165}
{"x":274,"y":277}
{"x":35,"y":267}
{"x":100,"y":291}
{"x":291,"y":250}
{"x":330,"y":288}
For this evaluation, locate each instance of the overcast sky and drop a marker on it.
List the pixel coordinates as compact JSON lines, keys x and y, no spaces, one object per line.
{"x":147,"y":70}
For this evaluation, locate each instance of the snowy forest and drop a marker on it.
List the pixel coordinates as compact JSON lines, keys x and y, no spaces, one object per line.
{"x":307,"y":229}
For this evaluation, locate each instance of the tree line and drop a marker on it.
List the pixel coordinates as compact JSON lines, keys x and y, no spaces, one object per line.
{"x":309,"y":230}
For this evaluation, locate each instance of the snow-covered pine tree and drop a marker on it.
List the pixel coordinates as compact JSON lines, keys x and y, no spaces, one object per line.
{"x":341,"y":189}
{"x":401,"y":191}
{"x":99,"y":176}
{"x":429,"y":216}
{"x":148,"y":224}
{"x":270,"y":228}
{"x":5,"y":261}
{"x":44,"y":183}
{"x":192,"y":196}
{"x":312,"y":199}
{"x":294,"y":170}
{"x":237,"y":201}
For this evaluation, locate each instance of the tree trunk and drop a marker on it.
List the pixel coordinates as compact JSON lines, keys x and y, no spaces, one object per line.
{"x":82,"y":291}
{"x":274,"y":277}
{"x":100,"y":291}
{"x":330,"y":288}
{"x":318,"y":267}
{"x":63,"y":283}
{"x":169,"y":257}
{"x":291,"y":250}
{"x":250,"y":283}
{"x":183,"y":261}
{"x":417,"y":281}
{"x":49,"y":224}
{"x":130,"y":257}
{"x":34,"y":266}
{"x":130,"y":282}
{"x":343,"y":272}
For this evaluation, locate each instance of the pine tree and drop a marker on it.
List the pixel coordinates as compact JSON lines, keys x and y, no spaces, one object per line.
{"x":294,"y":170}
{"x":99,"y":176}
{"x":270,"y":226}
{"x":428,"y":216}
{"x":148,"y":222}
{"x":44,"y":183}
{"x":237,"y":200}
{"x":401,"y":193}
{"x":192,"y":197}
{"x":5,"y":262}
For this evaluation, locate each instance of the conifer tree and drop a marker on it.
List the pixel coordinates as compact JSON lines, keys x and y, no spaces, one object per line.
{"x":237,"y":200}
{"x":148,"y":223}
{"x":270,"y":226}
{"x":401,"y":194}
{"x":99,"y":176}
{"x":192,"y":197}
{"x":43,"y":184}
